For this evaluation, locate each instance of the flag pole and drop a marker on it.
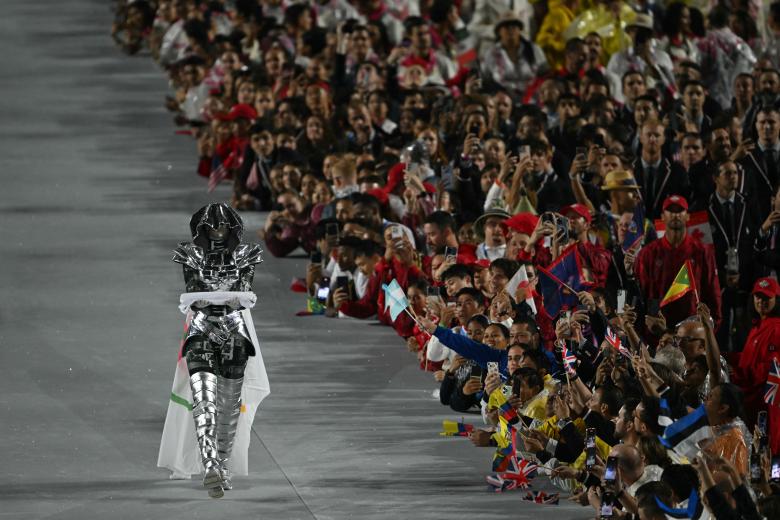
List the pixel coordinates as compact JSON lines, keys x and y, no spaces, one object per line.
{"x":692,"y":281}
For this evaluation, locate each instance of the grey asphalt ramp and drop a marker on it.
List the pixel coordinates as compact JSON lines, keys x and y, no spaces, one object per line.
{"x":96,"y":191}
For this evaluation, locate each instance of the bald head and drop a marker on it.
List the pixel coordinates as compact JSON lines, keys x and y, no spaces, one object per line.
{"x":691,"y":337}
{"x":629,"y":462}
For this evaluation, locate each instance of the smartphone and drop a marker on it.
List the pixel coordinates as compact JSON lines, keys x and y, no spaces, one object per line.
{"x":525,"y":151}
{"x":396,"y":233}
{"x":762,"y":429}
{"x":755,"y":466}
{"x":774,"y":471}
{"x":332,"y":229}
{"x":450,"y":253}
{"x":653,"y":306}
{"x":581,"y":150}
{"x":590,"y":448}
{"x":433,"y":292}
{"x":492,"y":367}
{"x":621,"y":301}
{"x":476,"y":373}
{"x":316,"y":257}
{"x":342,"y":282}
{"x":610,"y":471}
{"x":324,"y":290}
{"x":606,"y":507}
{"x":474,"y":129}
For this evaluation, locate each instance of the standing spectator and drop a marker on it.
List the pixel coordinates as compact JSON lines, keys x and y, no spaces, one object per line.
{"x":659,"y":262}
{"x":645,"y":56}
{"x":658,"y":176}
{"x":513,"y":61}
{"x":489,"y":227}
{"x":761,"y":347}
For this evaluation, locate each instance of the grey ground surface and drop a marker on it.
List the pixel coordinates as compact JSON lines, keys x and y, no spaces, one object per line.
{"x":96,"y":190}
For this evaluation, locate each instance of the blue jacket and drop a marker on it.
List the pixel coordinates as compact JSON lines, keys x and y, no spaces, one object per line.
{"x":468,"y":348}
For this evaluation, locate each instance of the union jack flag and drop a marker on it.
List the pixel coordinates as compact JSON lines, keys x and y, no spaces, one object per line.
{"x":217,"y":175}
{"x":772,"y":384}
{"x":517,"y":476}
{"x":569,"y":360}
{"x":614,"y":340}
{"x":540,"y":497}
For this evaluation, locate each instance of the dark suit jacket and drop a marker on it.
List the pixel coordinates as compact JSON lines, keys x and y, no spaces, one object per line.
{"x":747,"y":224}
{"x":759,"y":181}
{"x":672,"y":180}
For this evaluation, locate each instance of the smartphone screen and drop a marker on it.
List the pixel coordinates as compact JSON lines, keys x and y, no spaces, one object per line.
{"x":774,"y":472}
{"x":323,"y":293}
{"x":610,"y":472}
{"x":316,"y":257}
{"x":653,"y":306}
{"x":433,"y":292}
{"x":492,"y":367}
{"x":590,"y":447}
{"x":342,"y":282}
{"x":450,"y":254}
{"x":476,"y":372}
{"x":621,"y":301}
{"x":396,"y":233}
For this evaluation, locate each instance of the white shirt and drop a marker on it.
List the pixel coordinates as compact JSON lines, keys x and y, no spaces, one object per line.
{"x":484,"y":252}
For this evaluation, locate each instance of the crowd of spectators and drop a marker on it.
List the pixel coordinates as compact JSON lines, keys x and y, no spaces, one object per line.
{"x":536,"y":176}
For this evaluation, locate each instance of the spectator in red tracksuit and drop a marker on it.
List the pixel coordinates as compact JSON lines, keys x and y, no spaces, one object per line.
{"x":660,"y":261}
{"x":597,"y":258}
{"x":397,"y":264}
{"x":761,"y":348}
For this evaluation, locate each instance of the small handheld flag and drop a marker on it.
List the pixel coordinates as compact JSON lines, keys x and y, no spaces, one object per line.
{"x":517,"y":476}
{"x":395,"y":299}
{"x":540,"y":497}
{"x":569,"y":360}
{"x":683,"y":284}
{"x":456,"y":429}
{"x":508,"y":412}
{"x":684,"y":434}
{"x":614,"y":340}
{"x":636,"y":230}
{"x":772,"y":384}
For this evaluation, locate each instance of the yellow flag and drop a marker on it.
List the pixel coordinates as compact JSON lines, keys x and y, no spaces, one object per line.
{"x":683,"y":283}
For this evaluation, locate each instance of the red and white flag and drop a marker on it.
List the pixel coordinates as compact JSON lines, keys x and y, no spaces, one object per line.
{"x":614,"y":340}
{"x":698,"y":227}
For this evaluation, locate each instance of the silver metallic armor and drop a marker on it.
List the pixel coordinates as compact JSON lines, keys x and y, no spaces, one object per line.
{"x":218,"y":342}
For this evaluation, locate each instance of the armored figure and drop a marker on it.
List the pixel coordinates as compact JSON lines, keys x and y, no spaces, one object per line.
{"x":218,"y":342}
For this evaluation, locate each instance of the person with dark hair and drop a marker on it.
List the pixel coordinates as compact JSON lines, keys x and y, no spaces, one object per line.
{"x":679,"y":41}
{"x":724,"y":56}
{"x":647,"y":497}
{"x":646,"y":417}
{"x":724,"y":411}
{"x":624,"y":425}
{"x":513,"y":62}
{"x":456,"y":278}
{"x":759,"y":353}
{"x":762,"y":164}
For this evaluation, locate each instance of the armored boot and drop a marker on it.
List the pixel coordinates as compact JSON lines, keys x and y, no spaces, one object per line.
{"x":204,"y":411}
{"x":228,"y":411}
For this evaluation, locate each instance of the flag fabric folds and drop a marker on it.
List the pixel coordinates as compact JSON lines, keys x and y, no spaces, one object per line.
{"x":636,"y":229}
{"x":540,"y":497}
{"x":566,"y":270}
{"x":772,"y":384}
{"x":518,"y":476}
{"x":683,"y":284}
{"x":395,"y":299}
{"x":684,"y":434}
{"x":508,"y":412}
{"x":456,"y":429}
{"x":614,"y":340}
{"x":569,"y":360}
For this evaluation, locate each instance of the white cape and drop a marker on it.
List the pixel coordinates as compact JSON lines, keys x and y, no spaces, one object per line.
{"x":178,"y":447}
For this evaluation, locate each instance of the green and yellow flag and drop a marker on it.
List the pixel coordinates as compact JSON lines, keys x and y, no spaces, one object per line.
{"x":683,"y":284}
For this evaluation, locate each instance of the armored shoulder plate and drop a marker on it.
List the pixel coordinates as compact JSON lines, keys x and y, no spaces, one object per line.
{"x":188,"y":254}
{"x":247,"y":254}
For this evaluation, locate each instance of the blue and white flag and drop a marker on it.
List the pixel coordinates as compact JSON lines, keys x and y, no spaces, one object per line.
{"x":395,"y":299}
{"x":684,"y":434}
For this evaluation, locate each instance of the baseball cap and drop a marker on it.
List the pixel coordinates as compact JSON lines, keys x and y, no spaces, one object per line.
{"x":675,"y":200}
{"x":578,"y":209}
{"x":766,"y":286}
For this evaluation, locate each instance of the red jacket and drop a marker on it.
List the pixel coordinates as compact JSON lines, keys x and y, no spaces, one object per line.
{"x":761,"y":347}
{"x":657,"y":266}
{"x":598,"y":259}
{"x":373,"y":301}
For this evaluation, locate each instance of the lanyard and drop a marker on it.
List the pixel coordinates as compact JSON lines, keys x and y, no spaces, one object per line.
{"x":723,"y":230}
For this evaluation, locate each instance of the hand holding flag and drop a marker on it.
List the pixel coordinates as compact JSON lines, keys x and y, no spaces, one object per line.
{"x":614,"y":340}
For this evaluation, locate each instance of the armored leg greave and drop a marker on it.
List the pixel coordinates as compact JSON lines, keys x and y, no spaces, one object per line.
{"x":229,"y":409}
{"x":204,"y":412}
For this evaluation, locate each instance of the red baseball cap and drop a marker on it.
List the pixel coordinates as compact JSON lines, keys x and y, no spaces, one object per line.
{"x":675,"y":200}
{"x":767,"y":286}
{"x":522,"y":223}
{"x":579,"y":209}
